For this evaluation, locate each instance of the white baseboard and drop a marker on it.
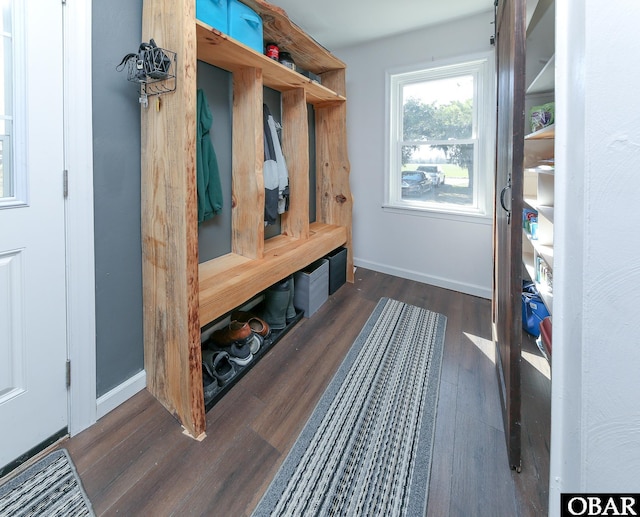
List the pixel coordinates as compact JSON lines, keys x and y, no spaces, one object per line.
{"x":121,"y":393}
{"x":474,"y":290}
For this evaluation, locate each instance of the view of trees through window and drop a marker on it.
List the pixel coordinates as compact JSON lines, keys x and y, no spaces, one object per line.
{"x":438,"y":138}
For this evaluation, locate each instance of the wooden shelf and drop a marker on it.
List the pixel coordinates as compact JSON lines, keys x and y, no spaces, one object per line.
{"x":539,"y":148}
{"x":529,"y":268}
{"x":545,"y":80}
{"x":306,"y":51}
{"x":541,"y":169}
{"x":228,"y":281}
{"x":542,"y":134}
{"x":527,"y":262}
{"x":222,"y":51}
{"x":535,"y":12}
{"x":546,"y":211}
{"x":543,"y":210}
{"x":544,"y":250}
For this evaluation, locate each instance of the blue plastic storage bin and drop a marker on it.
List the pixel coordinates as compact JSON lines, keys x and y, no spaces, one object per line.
{"x":533,"y":312}
{"x":245,"y":25}
{"x":214,"y":13}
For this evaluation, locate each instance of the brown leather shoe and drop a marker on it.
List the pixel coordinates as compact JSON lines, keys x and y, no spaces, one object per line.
{"x":257,"y":325}
{"x":235,"y":332}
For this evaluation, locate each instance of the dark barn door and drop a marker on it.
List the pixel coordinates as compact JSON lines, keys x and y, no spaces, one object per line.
{"x":507,"y":283}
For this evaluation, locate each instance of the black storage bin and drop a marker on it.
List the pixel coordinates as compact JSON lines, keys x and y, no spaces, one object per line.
{"x":337,"y":269}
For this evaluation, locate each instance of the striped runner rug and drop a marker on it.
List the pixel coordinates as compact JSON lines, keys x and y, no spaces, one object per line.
{"x":50,"y":487}
{"x":366,"y":449}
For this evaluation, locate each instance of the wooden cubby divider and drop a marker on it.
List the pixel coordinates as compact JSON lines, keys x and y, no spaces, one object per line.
{"x":181,"y":295}
{"x":247,"y":223}
{"x":295,"y":146}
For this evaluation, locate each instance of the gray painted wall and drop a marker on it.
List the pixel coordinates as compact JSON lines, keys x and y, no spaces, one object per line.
{"x":116,"y":164}
{"x":214,"y":235}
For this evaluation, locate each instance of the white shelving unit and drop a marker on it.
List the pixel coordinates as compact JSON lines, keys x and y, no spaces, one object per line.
{"x":538,"y":191}
{"x":539,"y":148}
{"x":545,"y":80}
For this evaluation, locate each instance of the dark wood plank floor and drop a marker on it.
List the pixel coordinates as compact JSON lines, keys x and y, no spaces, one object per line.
{"x":136,"y":461}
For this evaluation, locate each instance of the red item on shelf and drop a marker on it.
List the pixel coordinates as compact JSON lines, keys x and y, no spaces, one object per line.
{"x":272,"y":51}
{"x":545,"y":334}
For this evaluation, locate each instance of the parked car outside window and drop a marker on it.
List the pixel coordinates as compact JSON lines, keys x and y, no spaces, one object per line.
{"x":434,"y":172}
{"x":415,"y":183}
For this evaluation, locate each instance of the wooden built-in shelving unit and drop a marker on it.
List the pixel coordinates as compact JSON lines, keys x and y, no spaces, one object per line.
{"x":182,"y":295}
{"x":227,"y":282}
{"x":224,"y":52}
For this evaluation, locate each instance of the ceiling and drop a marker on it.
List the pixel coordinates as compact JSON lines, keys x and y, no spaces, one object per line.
{"x":343,"y":23}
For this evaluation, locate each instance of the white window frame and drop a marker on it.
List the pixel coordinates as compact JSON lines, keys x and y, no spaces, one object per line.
{"x":482,"y":67}
{"x":18,"y":152}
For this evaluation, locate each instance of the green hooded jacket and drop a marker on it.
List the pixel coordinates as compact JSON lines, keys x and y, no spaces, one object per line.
{"x":208,"y":175}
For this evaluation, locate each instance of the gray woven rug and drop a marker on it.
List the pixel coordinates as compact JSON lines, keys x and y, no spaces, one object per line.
{"x":366,"y":449}
{"x":49,"y":487}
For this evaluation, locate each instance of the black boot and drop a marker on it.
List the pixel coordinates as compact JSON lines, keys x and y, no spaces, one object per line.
{"x":276,"y":301}
{"x":291,"y":310}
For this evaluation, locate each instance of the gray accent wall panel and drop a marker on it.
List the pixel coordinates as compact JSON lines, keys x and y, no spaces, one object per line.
{"x":214,"y":235}
{"x":116,"y":30}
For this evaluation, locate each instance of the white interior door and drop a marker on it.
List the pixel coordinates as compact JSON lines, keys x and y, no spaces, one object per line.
{"x":33,"y":319}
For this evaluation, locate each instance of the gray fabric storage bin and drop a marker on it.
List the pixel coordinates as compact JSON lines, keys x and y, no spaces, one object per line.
{"x":311,"y":287}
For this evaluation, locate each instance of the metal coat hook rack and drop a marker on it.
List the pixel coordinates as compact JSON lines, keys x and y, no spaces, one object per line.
{"x":153,"y":68}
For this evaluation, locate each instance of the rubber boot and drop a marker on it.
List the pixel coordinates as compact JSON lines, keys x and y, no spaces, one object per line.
{"x":276,"y":300}
{"x":291,"y":310}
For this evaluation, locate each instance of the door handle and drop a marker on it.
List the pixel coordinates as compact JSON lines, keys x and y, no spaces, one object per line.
{"x":502,"y":194}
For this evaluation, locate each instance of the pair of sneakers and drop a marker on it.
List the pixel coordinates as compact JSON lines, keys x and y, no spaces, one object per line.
{"x":241,"y":353}
{"x":217,"y":370}
{"x":220,"y":366}
{"x":238,"y":340}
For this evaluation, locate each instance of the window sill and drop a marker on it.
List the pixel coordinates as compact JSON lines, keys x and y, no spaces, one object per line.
{"x":474,"y":217}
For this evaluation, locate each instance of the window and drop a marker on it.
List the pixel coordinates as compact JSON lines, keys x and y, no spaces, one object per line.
{"x":13,"y":170}
{"x":441,"y":133}
{"x":6,"y":104}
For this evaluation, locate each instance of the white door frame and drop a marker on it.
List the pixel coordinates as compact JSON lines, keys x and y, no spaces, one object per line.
{"x":80,"y":262}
